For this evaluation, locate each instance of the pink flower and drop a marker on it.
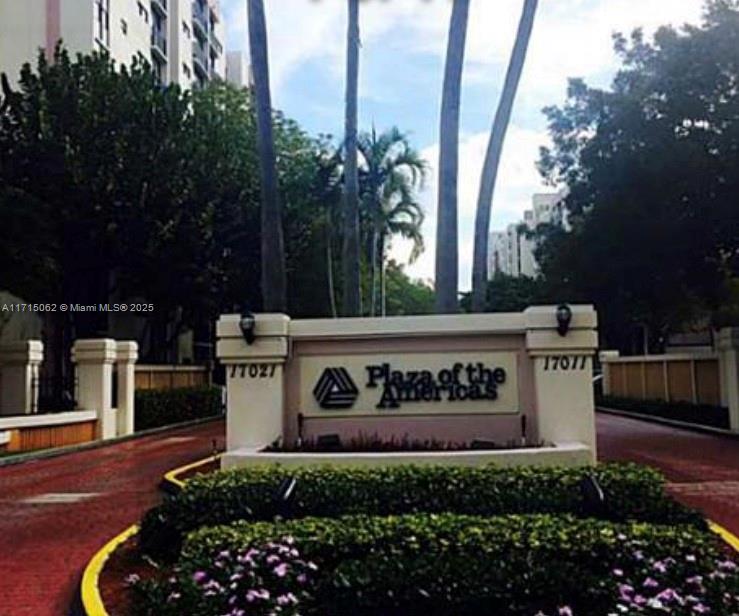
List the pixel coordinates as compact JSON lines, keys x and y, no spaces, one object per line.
{"x":280,"y":570}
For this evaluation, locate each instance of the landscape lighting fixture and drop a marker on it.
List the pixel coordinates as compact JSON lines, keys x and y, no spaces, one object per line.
{"x":284,"y":496}
{"x":246,"y":324}
{"x":564,"y":317}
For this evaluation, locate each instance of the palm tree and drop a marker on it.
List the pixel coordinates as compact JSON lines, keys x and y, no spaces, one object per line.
{"x":273,"y":248}
{"x":350,"y":254}
{"x":447,"y":257}
{"x":391,"y":172}
{"x":492,"y":156}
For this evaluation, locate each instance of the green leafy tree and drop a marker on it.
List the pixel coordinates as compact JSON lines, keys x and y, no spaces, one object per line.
{"x":405,"y":296}
{"x":652,"y":167}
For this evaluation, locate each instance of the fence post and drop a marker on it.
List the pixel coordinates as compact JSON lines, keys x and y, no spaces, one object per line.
{"x":126,"y":355}
{"x":94,"y":363}
{"x":728,"y":362}
{"x":19,"y":366}
{"x":605,"y":357}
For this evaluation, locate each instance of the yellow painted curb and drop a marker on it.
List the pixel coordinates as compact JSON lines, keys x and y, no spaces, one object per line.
{"x":726,"y":535}
{"x":171,"y":477}
{"x":92,"y":602}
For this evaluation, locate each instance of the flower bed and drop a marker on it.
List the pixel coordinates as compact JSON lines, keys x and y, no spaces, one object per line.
{"x":632,"y":492}
{"x":445,"y":564}
{"x":433,"y":540}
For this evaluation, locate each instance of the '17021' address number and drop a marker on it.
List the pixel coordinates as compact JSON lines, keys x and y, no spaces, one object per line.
{"x":253,"y":371}
{"x":565,"y":362}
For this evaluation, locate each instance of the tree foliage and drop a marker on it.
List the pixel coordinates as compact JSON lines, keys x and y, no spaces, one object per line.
{"x":112,"y":186}
{"x":652,"y":165}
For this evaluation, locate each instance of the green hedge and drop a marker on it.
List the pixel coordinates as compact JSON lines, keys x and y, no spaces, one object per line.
{"x":703,"y":414}
{"x":163,"y":407}
{"x":632,"y":492}
{"x":438,"y":564}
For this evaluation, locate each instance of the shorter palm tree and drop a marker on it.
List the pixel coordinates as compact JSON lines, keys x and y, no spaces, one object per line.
{"x":390,"y":173}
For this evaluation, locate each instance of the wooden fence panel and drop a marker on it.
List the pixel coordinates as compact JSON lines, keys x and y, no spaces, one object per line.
{"x":680,"y":381}
{"x":707,"y":382}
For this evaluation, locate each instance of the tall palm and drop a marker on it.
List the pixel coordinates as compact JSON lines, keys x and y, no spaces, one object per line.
{"x":447,"y":257}
{"x":492,"y":156}
{"x":273,"y":248}
{"x":391,"y":171}
{"x":350,"y":253}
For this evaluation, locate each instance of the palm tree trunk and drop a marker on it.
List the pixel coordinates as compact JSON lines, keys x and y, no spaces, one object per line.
{"x":382,"y":275}
{"x":330,"y":270}
{"x":350,"y":257}
{"x":273,"y":249}
{"x":373,"y":261}
{"x":447,"y":257}
{"x":492,"y":156}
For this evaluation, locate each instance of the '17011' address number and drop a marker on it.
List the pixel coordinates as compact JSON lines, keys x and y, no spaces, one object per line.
{"x":565,"y":362}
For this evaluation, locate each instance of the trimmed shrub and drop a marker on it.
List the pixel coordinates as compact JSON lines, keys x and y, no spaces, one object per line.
{"x":438,"y":564}
{"x":632,"y":492}
{"x":702,"y":414}
{"x":162,"y":407}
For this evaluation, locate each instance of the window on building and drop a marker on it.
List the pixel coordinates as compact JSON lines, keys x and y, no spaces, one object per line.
{"x":102,"y":23}
{"x":186,"y":29}
{"x":124,"y":26}
{"x":186,"y":71}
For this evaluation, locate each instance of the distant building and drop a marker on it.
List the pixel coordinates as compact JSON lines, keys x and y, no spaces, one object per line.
{"x":238,"y":69}
{"x":512,"y":251}
{"x":182,"y":39}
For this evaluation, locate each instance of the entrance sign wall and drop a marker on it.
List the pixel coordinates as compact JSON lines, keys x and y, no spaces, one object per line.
{"x":446,"y":377}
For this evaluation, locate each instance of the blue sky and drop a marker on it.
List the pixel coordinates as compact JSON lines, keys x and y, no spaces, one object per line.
{"x":401,"y":67}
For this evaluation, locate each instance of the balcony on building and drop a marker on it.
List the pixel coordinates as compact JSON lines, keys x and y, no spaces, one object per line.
{"x":215,"y":43}
{"x":159,"y":45}
{"x":200,"y":19}
{"x":160,"y":6}
{"x":200,"y":60}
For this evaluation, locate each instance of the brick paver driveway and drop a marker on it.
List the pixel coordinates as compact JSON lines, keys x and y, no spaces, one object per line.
{"x":56,"y":513}
{"x":703,"y":469}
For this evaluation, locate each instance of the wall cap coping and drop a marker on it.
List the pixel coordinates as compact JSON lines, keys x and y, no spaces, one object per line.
{"x":46,"y":419}
{"x":533,"y":318}
{"x":21,"y":352}
{"x":629,"y":359}
{"x":127,"y":351}
{"x":172,"y":368}
{"x":101,"y":350}
{"x":728,"y":338}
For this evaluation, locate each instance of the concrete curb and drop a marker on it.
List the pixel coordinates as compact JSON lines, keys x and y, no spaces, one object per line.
{"x":675,"y":423}
{"x":172,"y":484}
{"x":92,"y":601}
{"x":60,"y":451}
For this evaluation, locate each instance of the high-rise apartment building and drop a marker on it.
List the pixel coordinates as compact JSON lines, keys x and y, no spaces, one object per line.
{"x":182,"y":39}
{"x":512,"y":251}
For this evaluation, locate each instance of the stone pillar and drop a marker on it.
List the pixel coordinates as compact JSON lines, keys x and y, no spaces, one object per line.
{"x":94,"y":364}
{"x":255,"y":379}
{"x":605,"y":357}
{"x":563,"y":374}
{"x":728,"y":363}
{"x":126,"y":355}
{"x":19,"y":366}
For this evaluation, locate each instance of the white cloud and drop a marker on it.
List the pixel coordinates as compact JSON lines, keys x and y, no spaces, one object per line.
{"x":517,"y":181}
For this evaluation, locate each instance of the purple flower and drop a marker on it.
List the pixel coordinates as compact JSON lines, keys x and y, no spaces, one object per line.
{"x":199,"y":576}
{"x":650,"y":582}
{"x":280,"y":570}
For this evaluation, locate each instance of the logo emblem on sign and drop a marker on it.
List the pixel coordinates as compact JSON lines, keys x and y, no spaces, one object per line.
{"x":335,"y":389}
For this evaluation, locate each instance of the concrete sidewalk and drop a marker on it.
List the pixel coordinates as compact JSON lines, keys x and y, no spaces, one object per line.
{"x":56,"y":513}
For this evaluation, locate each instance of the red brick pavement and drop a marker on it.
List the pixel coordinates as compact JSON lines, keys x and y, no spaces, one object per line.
{"x":46,"y":546}
{"x":702,"y":469}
